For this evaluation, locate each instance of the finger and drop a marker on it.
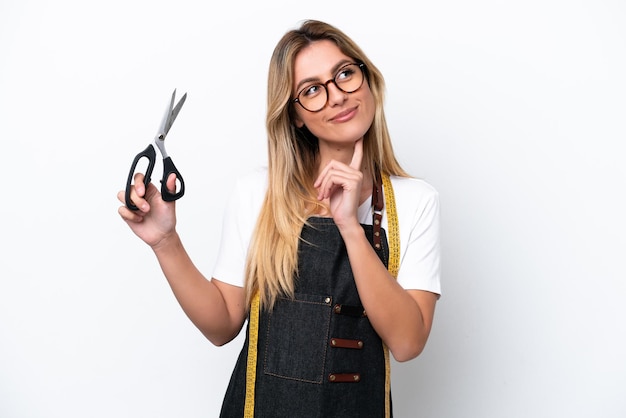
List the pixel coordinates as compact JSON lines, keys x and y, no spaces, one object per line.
{"x":170,"y":183}
{"x":322,"y":175}
{"x":326,"y":188}
{"x":132,"y":215}
{"x":327,"y":180}
{"x":336,"y":179}
{"x":140,"y":188}
{"x":138,"y":194}
{"x":357,"y":157}
{"x":129,"y":215}
{"x":332,"y":167}
{"x":322,"y":183}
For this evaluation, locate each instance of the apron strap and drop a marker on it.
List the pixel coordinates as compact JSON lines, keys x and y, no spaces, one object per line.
{"x":393,"y":266}
{"x":378,"y":202}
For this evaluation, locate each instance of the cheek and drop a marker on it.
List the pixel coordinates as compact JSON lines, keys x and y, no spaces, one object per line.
{"x":313,"y":121}
{"x":370,"y":103}
{"x":368,"y":110}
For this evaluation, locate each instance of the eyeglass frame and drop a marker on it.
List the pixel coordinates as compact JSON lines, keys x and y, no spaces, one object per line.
{"x":361,"y":67}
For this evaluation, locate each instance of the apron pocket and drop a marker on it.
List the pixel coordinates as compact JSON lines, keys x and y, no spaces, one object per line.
{"x":297,"y":338}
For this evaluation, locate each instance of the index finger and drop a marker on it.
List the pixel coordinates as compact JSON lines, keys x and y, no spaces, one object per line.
{"x":357,"y":157}
{"x":135,"y":188}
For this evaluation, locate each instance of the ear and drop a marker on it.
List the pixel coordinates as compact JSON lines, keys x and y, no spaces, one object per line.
{"x":297,"y":121}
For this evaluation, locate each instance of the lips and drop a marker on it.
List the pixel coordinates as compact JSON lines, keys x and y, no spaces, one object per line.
{"x":344,"y":116}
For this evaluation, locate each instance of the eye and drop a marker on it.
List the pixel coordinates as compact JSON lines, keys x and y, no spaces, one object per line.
{"x":311,"y":91}
{"x":345,"y":73}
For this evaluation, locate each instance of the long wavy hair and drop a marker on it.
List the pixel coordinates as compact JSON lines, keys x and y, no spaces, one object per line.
{"x":272,"y":263}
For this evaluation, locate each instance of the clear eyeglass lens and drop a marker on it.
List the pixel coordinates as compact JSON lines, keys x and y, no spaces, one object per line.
{"x":348,"y":80}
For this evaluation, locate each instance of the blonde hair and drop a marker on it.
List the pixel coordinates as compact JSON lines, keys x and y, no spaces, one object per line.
{"x":272,"y":264}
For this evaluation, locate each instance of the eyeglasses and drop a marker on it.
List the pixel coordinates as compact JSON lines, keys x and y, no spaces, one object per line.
{"x":348,"y":79}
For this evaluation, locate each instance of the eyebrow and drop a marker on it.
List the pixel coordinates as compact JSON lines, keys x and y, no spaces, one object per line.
{"x":317,"y":79}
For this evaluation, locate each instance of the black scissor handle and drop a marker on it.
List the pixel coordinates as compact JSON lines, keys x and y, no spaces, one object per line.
{"x":150,"y":154}
{"x":169,"y":168}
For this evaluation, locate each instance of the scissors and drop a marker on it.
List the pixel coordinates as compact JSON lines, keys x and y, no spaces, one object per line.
{"x":150,"y":153}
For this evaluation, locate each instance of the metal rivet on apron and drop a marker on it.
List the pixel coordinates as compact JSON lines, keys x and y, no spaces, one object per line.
{"x":333,"y":342}
{"x":331,"y":377}
{"x":357,"y":377}
{"x":377,"y":222}
{"x":327,"y":300}
{"x":377,"y":246}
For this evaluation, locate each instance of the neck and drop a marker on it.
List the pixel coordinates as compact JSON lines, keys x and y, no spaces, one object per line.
{"x":338,"y":152}
{"x":333,"y":151}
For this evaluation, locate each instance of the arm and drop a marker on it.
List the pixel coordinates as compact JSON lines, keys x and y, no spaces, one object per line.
{"x":216,"y":308}
{"x":419,"y":269}
{"x":402,"y":318}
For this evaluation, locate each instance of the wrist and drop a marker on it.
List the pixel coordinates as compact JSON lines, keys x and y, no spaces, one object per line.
{"x":168,"y":243}
{"x":351,"y":231}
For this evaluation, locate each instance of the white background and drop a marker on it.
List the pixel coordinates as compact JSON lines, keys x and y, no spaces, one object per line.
{"x":513,"y":110}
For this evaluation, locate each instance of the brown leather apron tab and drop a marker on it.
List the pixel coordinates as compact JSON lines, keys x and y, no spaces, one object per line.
{"x":345,"y":343}
{"x":355,"y":311}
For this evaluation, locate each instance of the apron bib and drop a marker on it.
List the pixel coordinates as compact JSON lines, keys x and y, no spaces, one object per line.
{"x":315,"y":355}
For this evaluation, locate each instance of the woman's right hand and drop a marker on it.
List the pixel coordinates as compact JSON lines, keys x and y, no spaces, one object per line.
{"x":155,"y":219}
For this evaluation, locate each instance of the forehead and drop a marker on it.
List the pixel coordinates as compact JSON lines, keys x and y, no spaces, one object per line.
{"x":317,"y":60}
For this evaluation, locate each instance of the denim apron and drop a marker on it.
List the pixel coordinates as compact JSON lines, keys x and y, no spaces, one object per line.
{"x":317,"y":354}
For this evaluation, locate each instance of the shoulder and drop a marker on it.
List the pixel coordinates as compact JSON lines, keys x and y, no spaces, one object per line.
{"x":417,"y":208}
{"x":413,"y":191}
{"x":255,"y":178}
{"x":416,"y":203}
{"x":246,"y":194}
{"x":251,"y":185}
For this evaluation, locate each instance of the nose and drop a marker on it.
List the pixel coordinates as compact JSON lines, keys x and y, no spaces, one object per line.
{"x":335,"y":94}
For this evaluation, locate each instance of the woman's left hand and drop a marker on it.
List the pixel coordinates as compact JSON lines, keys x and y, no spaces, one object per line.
{"x":341,"y":184}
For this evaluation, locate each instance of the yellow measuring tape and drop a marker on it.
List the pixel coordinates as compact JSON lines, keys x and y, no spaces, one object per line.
{"x":248,"y":409}
{"x":392,"y":225}
{"x":393,"y":266}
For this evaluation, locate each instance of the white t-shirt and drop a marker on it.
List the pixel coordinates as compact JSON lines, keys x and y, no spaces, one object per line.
{"x":417,"y":205}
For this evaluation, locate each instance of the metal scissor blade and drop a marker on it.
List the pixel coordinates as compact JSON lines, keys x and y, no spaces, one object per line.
{"x":170,"y":115}
{"x":163,"y":128}
{"x":174,"y":111}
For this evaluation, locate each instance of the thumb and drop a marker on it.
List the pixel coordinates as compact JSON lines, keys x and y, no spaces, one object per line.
{"x":171,"y":183}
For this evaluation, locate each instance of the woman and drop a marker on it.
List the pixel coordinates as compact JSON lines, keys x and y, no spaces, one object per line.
{"x":306,"y":254}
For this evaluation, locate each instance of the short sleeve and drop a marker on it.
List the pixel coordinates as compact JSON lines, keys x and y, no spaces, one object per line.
{"x":417,"y":204}
{"x":238,"y":223}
